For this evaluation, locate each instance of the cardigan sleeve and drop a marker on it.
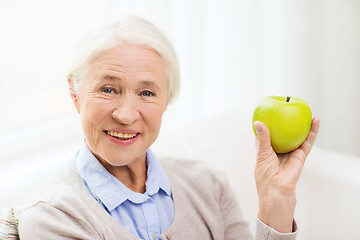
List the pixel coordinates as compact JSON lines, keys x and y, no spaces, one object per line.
{"x":264,"y":232}
{"x":235,"y":225}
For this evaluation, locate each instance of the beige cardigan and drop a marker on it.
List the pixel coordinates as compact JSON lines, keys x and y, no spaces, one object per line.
{"x":205,"y":208}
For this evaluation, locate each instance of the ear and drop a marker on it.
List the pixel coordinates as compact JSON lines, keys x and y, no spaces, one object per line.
{"x":74,"y":96}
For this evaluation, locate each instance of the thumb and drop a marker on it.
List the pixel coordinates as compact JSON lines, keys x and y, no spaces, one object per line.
{"x":263,"y":138}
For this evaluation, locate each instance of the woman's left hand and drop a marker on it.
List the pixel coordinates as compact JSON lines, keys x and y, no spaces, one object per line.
{"x":276,"y":176}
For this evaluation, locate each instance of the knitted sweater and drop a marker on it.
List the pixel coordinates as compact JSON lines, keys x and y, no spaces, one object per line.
{"x":205,"y":208}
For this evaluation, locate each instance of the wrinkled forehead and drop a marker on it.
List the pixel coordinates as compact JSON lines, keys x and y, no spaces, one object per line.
{"x":131,"y":56}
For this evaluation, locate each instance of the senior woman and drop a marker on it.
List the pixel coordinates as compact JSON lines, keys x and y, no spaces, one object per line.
{"x":123,"y":77}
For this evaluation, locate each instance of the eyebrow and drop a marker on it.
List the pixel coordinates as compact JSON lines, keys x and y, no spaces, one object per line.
{"x":150,"y":84}
{"x":108,"y":77}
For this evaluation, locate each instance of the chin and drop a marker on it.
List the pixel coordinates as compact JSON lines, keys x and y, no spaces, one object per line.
{"x":122,"y":157}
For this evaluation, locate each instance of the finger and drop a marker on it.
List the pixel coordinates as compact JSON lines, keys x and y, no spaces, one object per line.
{"x":263,"y":138}
{"x":310,"y":140}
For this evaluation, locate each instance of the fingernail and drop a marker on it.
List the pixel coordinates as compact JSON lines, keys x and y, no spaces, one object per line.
{"x":257,"y":127}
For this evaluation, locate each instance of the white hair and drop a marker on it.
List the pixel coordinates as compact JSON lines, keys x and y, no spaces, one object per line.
{"x":132,"y":30}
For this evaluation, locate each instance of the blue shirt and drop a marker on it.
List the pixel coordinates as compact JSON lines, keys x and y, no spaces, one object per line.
{"x":144,"y":215}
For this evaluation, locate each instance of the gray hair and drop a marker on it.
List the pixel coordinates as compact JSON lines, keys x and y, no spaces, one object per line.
{"x":132,"y":30}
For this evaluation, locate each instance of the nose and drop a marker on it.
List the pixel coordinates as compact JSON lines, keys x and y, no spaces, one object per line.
{"x":126,"y":111}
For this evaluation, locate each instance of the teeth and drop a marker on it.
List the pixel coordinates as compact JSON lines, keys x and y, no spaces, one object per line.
{"x":122,"y":136}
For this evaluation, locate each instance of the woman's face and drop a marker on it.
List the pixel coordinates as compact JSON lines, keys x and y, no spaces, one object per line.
{"x":121,"y":102}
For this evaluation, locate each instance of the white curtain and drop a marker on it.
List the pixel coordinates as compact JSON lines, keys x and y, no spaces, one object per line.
{"x":232,"y":53}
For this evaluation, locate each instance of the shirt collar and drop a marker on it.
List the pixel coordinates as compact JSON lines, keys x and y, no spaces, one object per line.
{"x":156,"y":176}
{"x":102,"y":185}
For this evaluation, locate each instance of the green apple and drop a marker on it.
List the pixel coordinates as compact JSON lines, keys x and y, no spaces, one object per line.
{"x":288,"y":120}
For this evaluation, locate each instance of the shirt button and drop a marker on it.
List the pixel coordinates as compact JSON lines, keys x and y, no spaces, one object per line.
{"x":154,"y":236}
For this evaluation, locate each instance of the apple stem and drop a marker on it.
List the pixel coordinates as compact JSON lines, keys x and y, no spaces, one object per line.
{"x":287,"y":99}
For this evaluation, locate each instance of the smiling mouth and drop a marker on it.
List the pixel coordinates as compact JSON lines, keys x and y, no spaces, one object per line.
{"x":121,"y":136}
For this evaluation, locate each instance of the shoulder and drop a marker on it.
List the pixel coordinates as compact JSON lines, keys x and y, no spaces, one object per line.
{"x":204,"y":198}
{"x":58,"y":187}
{"x":190,"y":167}
{"x":63,"y":180}
{"x":195,"y":174}
{"x":60,"y":204}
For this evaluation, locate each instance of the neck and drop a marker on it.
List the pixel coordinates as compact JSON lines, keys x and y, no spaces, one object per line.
{"x":132,"y":176}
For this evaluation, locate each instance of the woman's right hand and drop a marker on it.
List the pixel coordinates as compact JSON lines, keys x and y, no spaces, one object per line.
{"x":276,"y":176}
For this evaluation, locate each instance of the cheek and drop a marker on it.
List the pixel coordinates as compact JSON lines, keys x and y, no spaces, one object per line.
{"x":93,"y":115}
{"x":153,"y":117}
{"x":95,"y":109}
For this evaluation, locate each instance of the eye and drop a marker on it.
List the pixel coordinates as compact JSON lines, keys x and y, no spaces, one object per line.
{"x":108,"y":90}
{"x":147,"y":93}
